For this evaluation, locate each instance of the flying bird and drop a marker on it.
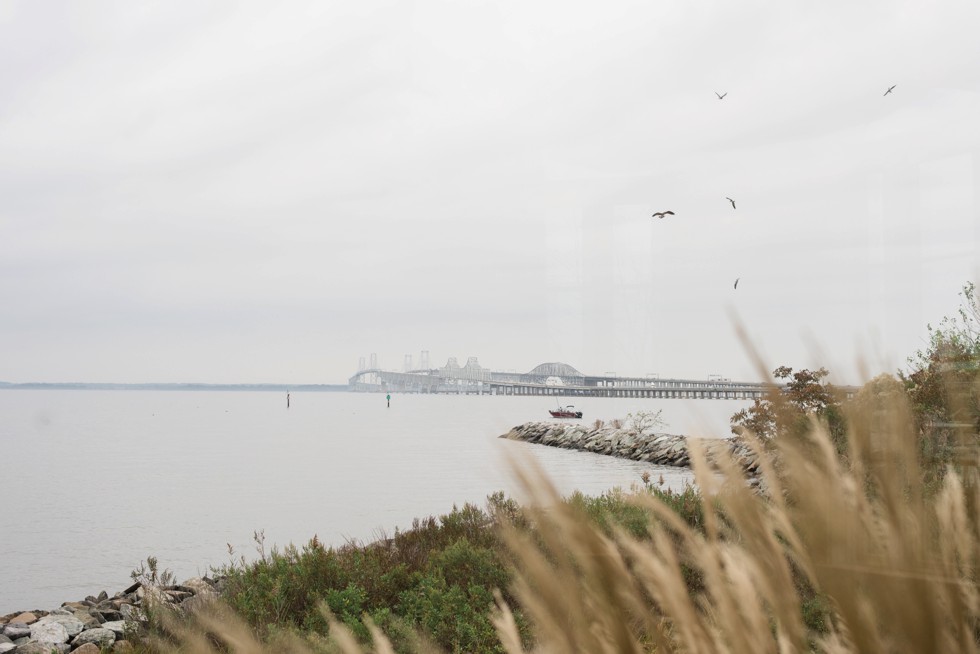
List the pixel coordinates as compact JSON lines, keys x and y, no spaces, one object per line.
{"x":722,"y":96}
{"x":732,"y":201}
{"x":661,"y":214}
{"x":736,"y":281}
{"x":890,"y":89}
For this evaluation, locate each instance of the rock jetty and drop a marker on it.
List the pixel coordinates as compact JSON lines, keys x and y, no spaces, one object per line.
{"x":99,"y":623}
{"x":639,"y":445}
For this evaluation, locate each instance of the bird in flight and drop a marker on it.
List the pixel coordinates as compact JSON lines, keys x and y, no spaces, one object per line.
{"x":722,"y":96}
{"x":732,"y":201}
{"x":736,"y":281}
{"x":661,"y":214}
{"x":890,"y":89}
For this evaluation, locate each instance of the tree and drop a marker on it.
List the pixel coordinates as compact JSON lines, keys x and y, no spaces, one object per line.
{"x":943,"y":386}
{"x":942,"y":379}
{"x":790,"y":410}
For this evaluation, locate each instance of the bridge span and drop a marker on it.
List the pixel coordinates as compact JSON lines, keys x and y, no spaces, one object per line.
{"x":473,"y":380}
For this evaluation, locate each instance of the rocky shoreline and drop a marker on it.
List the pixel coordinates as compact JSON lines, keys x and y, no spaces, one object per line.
{"x":99,"y":623}
{"x":637,"y":444}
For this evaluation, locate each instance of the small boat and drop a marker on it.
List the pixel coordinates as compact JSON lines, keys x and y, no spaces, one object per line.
{"x":565,"y":412}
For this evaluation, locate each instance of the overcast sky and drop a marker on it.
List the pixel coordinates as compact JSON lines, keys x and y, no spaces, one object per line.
{"x":265,"y":192}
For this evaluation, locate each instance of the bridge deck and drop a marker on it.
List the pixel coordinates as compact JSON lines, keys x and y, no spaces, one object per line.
{"x":377,"y":380}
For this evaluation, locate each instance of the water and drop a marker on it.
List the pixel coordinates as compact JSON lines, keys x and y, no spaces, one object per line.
{"x":93,"y":482}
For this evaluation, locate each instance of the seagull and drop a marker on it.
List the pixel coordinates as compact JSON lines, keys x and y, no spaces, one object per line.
{"x":661,"y":214}
{"x":722,"y":96}
{"x":736,"y":281}
{"x":890,"y":89}
{"x":732,"y":201}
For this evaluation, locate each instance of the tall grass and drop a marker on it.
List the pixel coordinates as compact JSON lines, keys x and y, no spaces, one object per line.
{"x":842,"y":552}
{"x":893,"y":568}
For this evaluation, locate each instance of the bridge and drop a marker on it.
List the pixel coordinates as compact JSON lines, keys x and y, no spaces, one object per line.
{"x":557,"y":379}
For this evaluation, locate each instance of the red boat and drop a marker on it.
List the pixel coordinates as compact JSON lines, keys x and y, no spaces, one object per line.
{"x":565,"y":412}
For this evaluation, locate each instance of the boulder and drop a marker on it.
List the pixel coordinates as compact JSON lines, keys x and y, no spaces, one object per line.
{"x":6,"y":647}
{"x":178,"y":596}
{"x":87,"y":619}
{"x":117,"y":627}
{"x":200,"y":585}
{"x":34,"y":647}
{"x":49,"y":632}
{"x":100,"y":636}
{"x":108,"y":613}
{"x":75,"y":606}
{"x":87,"y":648}
{"x":15,"y":630}
{"x":71,"y":624}
{"x":25,"y":618}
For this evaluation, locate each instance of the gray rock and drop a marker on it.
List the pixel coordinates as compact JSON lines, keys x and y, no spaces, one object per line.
{"x":100,"y":636}
{"x":15,"y":630}
{"x":198,"y":586}
{"x":49,"y":632}
{"x":87,"y":619}
{"x":6,"y":647}
{"x":4,"y":639}
{"x":178,"y":596}
{"x":109,"y":614}
{"x":34,"y":647}
{"x":71,"y":624}
{"x":117,"y":627}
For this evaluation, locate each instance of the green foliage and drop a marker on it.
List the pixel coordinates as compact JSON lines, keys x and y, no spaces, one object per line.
{"x":941,"y":381}
{"x":804,"y":397}
{"x":613,"y":508}
{"x":438,"y":576}
{"x":616,"y":508}
{"x":943,"y":386}
{"x":452,"y":598}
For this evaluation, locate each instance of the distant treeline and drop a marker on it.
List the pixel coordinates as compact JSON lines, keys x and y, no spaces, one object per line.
{"x":82,"y":386}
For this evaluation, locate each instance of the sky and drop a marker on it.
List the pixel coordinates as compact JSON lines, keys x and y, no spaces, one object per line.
{"x":254,"y":192}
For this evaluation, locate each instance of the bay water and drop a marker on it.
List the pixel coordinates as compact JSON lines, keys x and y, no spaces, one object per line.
{"x":92,"y":482}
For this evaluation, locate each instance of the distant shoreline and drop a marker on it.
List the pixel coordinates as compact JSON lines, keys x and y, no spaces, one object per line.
{"x":84,"y":386}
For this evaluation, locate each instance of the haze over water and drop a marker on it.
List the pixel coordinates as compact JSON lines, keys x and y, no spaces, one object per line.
{"x":107,"y":478}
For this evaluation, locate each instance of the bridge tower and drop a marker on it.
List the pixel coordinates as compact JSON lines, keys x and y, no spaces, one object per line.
{"x":374,"y":361}
{"x":424,"y":360}
{"x":361,"y":364}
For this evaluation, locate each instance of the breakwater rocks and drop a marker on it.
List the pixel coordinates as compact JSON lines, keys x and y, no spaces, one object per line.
{"x":639,"y":445}
{"x":98,"y":623}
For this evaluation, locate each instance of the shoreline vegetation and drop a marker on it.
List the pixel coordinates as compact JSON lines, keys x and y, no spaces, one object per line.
{"x":861,"y":535}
